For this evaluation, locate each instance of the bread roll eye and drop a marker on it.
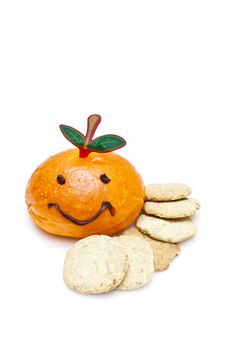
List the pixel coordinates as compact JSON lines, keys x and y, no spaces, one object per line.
{"x":61,"y":180}
{"x":104,"y":178}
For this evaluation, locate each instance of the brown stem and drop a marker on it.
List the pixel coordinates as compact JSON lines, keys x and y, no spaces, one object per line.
{"x":92,"y":123}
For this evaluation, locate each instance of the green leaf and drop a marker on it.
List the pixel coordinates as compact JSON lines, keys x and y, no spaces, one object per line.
{"x":73,"y":135}
{"x":106,"y":143}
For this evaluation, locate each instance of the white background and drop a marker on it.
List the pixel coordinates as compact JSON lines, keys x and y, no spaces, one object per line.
{"x":161,"y":75}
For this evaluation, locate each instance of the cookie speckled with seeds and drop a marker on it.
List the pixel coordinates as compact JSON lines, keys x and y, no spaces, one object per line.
{"x":96,"y":264}
{"x":167,"y":192}
{"x":173,"y":231}
{"x":163,"y":252}
{"x":140,"y":260}
{"x":174,"y":209}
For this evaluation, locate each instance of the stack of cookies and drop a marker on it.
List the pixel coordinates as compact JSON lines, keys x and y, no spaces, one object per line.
{"x":167,"y":213}
{"x":99,"y":264}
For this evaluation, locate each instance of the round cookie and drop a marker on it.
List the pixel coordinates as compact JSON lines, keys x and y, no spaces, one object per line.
{"x":140,"y":260}
{"x":172,"y":231}
{"x":172,"y":210}
{"x":163,"y":252}
{"x":96,"y":264}
{"x":167,"y":192}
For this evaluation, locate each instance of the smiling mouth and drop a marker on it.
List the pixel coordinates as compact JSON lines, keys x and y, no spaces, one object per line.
{"x":104,"y":206}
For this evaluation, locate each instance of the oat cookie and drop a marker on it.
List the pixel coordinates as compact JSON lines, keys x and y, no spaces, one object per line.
{"x":167,"y":192}
{"x":174,"y":209}
{"x":141,"y":262}
{"x":163,"y":252}
{"x":173,"y":230}
{"x":95,"y":264}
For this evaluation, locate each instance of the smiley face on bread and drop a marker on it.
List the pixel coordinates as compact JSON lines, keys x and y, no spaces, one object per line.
{"x":85,"y":190}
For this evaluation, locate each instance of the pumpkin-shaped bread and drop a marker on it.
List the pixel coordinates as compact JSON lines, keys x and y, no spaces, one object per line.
{"x":85,"y":191}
